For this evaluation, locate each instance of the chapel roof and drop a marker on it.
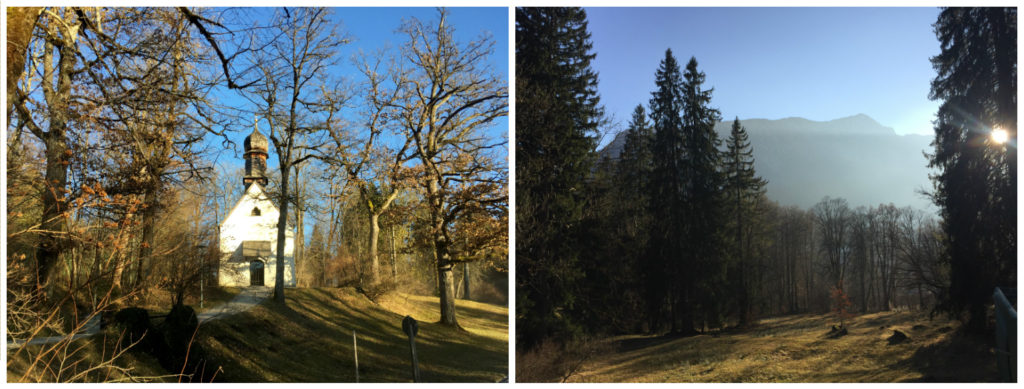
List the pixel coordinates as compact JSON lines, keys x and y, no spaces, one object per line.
{"x":255,"y":141}
{"x":258,"y":193}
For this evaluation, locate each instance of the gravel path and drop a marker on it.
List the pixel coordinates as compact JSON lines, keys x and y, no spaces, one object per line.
{"x":244,"y":301}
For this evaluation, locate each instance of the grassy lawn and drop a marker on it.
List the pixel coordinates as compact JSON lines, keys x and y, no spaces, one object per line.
{"x":795,"y":349}
{"x":310,"y":340}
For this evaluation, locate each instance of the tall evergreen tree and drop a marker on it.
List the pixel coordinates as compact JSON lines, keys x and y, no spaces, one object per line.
{"x":633,"y":174}
{"x":608,"y":299}
{"x":619,"y":245}
{"x":662,"y":261}
{"x":975,"y":187}
{"x":555,"y":138}
{"x":686,"y":262}
{"x":704,"y":203}
{"x":743,"y":188}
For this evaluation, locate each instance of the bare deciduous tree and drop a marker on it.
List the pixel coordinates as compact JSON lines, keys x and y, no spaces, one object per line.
{"x":300,"y":50}
{"x":379,"y":172}
{"x":454,"y":99}
{"x":58,"y":31}
{"x":832,"y":217}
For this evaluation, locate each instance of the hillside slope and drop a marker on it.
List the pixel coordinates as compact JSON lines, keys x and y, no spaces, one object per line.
{"x":310,"y":340}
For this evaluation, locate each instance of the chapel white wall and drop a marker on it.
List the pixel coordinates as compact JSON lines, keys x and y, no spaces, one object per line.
{"x":240,"y":226}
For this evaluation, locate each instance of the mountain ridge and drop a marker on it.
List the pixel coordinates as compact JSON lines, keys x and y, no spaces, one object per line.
{"x":853,"y":157}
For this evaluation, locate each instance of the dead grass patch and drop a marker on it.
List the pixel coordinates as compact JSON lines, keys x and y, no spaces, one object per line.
{"x":795,"y":349}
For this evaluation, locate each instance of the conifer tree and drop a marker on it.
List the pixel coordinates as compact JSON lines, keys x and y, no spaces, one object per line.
{"x":743,"y":188}
{"x":667,"y":188}
{"x":555,"y":138}
{"x":608,"y":301}
{"x":975,"y":188}
{"x":619,"y":241}
{"x":633,"y":175}
{"x":704,"y":205}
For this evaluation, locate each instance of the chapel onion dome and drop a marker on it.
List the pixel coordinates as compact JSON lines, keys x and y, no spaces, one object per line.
{"x":256,"y":142}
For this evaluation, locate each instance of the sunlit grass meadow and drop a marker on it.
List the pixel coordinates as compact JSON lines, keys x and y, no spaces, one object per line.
{"x":796,"y":349}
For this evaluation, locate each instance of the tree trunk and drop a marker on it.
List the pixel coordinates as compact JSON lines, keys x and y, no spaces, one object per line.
{"x":446,"y":280}
{"x":920,"y":297}
{"x":57,"y":159}
{"x":447,"y":285}
{"x":863,"y":281}
{"x":148,"y":234}
{"x":465,"y":281}
{"x":744,"y":301}
{"x":744,"y":297}
{"x":445,"y":277}
{"x":686,"y":314}
{"x":299,"y":253}
{"x":871,"y":275}
{"x":333,"y":197}
{"x":394,"y":259}
{"x":52,"y":223}
{"x":282,"y":226}
{"x":374,"y":237}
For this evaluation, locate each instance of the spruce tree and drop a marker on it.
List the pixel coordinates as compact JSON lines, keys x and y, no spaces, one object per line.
{"x":704,"y":206}
{"x":975,"y":187}
{"x":743,"y":188}
{"x":608,"y":302}
{"x":624,"y":243}
{"x":633,"y":173}
{"x":664,"y":258}
{"x":556,"y":125}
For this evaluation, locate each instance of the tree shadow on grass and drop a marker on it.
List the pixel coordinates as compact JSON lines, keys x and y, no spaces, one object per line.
{"x":636,"y":343}
{"x":956,"y":358}
{"x":310,"y":340}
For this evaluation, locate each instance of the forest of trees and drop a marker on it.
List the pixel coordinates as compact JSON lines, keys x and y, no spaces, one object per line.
{"x":120,"y":120}
{"x":678,"y":235}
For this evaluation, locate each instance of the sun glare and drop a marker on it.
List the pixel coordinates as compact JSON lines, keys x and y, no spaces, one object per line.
{"x":999,"y":135}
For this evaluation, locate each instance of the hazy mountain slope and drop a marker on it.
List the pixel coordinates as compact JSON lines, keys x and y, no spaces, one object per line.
{"x":854,"y":157}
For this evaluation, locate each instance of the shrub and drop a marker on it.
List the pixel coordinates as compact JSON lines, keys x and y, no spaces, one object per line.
{"x":841,"y":304}
{"x":553,"y":361}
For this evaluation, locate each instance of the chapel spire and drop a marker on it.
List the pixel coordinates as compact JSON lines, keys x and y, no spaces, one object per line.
{"x":255,"y":156}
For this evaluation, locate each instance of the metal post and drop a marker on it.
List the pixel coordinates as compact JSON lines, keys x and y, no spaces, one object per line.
{"x":355,"y":353}
{"x":202,"y":271}
{"x":1006,"y":335}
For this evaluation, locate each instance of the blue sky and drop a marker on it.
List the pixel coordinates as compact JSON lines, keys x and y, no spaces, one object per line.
{"x":772,"y":63}
{"x":374,"y":28}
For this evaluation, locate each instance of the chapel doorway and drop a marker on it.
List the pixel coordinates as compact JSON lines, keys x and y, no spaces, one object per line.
{"x":256,"y":273}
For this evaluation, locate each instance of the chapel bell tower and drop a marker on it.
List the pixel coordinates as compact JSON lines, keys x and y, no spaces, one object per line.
{"x":255,"y":157}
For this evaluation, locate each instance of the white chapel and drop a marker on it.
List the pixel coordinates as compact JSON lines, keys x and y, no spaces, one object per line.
{"x":248,"y":235}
